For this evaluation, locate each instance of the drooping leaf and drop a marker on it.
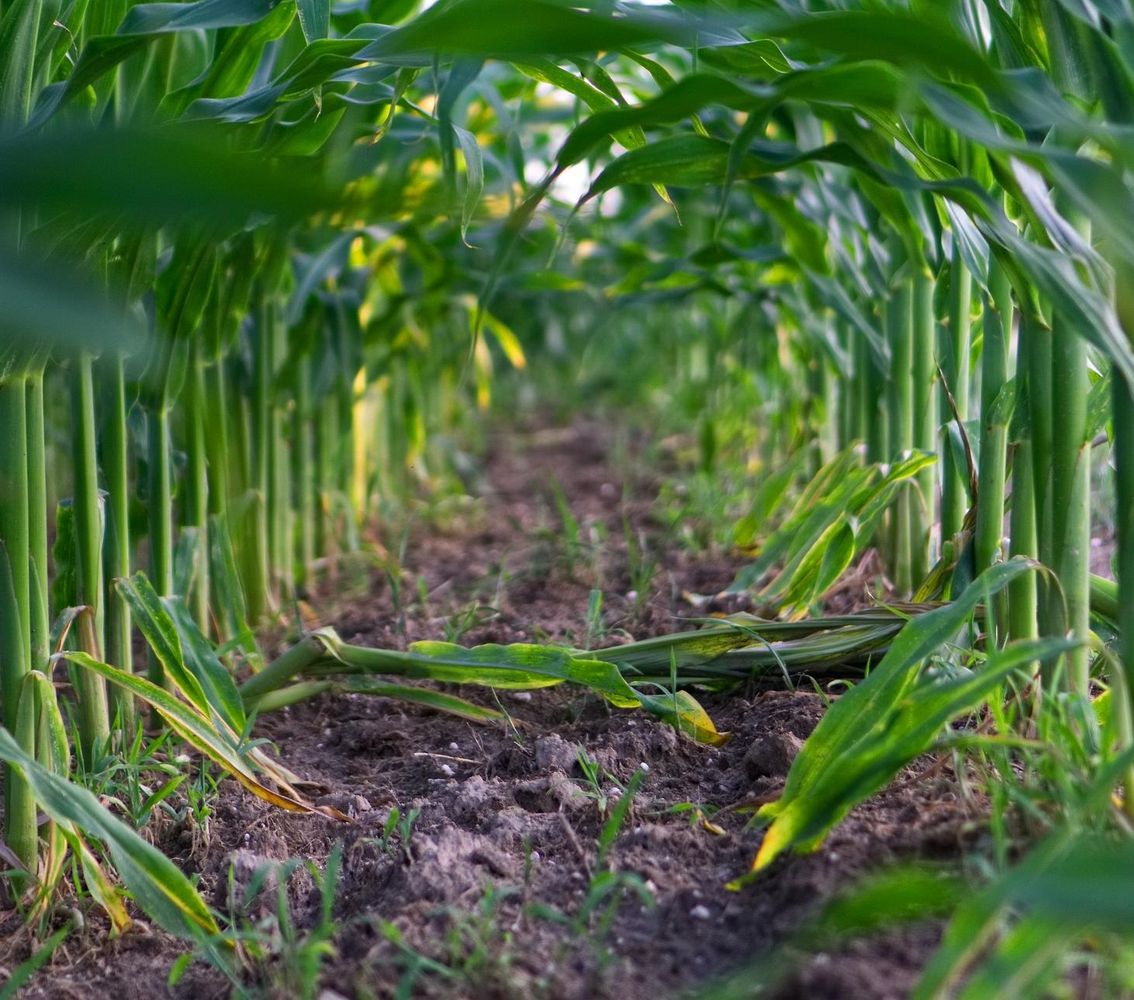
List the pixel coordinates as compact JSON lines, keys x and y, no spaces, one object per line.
{"x":160,"y":889}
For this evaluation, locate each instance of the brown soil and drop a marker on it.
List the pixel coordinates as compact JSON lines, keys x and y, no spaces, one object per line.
{"x":495,"y":879}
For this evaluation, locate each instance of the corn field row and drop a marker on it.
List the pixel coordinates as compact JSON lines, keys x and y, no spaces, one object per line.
{"x":260,"y":258}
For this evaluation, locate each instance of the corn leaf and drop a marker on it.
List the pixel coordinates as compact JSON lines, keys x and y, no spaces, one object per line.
{"x":187,"y":657}
{"x":885,"y":721}
{"x":525,"y":666}
{"x":159,"y":888}
{"x":207,"y":735}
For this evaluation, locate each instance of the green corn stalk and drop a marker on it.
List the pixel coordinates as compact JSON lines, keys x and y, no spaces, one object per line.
{"x":116,"y":542}
{"x":158,"y":452}
{"x":995,"y":414}
{"x":877,"y":425}
{"x":262,"y":515}
{"x":899,"y":333}
{"x":955,"y":350}
{"x":39,"y":579}
{"x":94,"y":722}
{"x":1035,"y":361}
{"x":1123,"y":413}
{"x":328,"y":458}
{"x":924,"y":374}
{"x":1071,"y":489}
{"x":1022,"y":593}
{"x":197,"y":488}
{"x":304,"y":474}
{"x":219,"y":457}
{"x":15,"y":632}
{"x":270,"y":449}
{"x":863,"y":403}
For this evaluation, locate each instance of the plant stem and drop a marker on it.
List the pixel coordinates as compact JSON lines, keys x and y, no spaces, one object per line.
{"x":160,"y":512}
{"x":282,"y":669}
{"x":899,"y":332}
{"x":94,"y":722}
{"x":116,"y":553}
{"x":1123,"y":401}
{"x":303,"y":473}
{"x":39,"y":648}
{"x":15,"y":635}
{"x":955,"y":349}
{"x":1071,"y":488}
{"x":997,"y":318}
{"x":925,"y":424}
{"x":197,"y":492}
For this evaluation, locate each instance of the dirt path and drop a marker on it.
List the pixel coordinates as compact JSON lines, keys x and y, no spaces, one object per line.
{"x":498,"y":888}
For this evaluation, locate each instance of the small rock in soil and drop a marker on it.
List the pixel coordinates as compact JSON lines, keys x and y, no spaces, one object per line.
{"x":232,"y":892}
{"x":553,"y":753}
{"x":770,"y":755}
{"x":346,"y":802}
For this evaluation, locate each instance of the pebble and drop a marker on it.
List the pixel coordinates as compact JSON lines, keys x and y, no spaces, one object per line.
{"x":347,"y":803}
{"x":521,"y":696}
{"x":644,"y":767}
{"x":700,"y":912}
{"x":453,"y":747}
{"x":447,"y":771}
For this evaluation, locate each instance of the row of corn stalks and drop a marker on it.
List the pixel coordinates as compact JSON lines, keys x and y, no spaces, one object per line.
{"x":287,"y":233}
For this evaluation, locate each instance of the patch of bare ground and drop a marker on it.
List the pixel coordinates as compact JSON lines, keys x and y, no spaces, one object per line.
{"x":497,"y":889}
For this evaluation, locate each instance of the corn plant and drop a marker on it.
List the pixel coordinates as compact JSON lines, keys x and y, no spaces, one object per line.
{"x":287,"y":235}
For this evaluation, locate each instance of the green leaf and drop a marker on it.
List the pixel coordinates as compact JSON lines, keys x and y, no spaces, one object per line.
{"x":161,"y":635}
{"x":19,"y":26}
{"x":142,"y":24}
{"x":314,"y":18}
{"x":207,"y":735}
{"x":36,"y":318}
{"x":181,"y":172}
{"x":491,"y":28}
{"x":159,"y":888}
{"x":426,"y":697}
{"x":1065,"y":891}
{"x":525,"y":666}
{"x":883,"y":722}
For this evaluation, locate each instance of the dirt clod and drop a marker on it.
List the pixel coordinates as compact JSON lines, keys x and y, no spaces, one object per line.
{"x":771,"y":754}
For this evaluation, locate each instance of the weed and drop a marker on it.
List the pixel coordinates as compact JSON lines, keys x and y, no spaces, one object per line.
{"x":596,"y":627}
{"x":597,"y":782}
{"x":698,"y":813}
{"x":281,"y":957}
{"x":641,"y":566}
{"x":464,"y":621}
{"x":397,"y":832}
{"x":570,"y":536}
{"x":613,"y":825}
{"x":138,"y":780}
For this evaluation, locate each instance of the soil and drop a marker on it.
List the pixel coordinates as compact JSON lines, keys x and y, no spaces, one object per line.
{"x":498,"y":889}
